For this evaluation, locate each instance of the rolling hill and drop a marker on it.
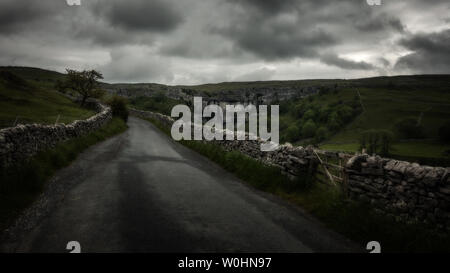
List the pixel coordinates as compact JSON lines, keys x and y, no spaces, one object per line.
{"x":355,"y":106}
{"x":27,"y":96}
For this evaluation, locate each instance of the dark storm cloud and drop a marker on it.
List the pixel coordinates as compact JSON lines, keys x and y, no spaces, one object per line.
{"x":156,"y":15}
{"x":431,"y":52}
{"x":267,"y":6}
{"x":335,"y":60}
{"x":192,"y":41}
{"x":284,"y":34}
{"x":274,"y":30}
{"x":379,"y":23}
{"x":384,"y":62}
{"x":273,"y":42}
{"x":15,"y":15}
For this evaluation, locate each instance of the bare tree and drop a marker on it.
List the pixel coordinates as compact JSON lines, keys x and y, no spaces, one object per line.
{"x":85,"y":83}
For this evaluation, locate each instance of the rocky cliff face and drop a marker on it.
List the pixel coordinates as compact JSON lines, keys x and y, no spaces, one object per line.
{"x":260,"y":95}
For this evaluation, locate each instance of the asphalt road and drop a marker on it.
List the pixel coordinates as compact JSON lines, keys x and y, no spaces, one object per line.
{"x":142,"y":192}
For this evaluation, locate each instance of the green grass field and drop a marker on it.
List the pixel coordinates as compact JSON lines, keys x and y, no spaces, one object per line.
{"x":35,"y":100}
{"x":384,"y":108}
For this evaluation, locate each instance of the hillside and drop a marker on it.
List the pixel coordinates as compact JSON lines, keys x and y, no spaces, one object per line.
{"x":337,"y":112}
{"x":332,"y":108}
{"x":27,"y":96}
{"x":382,"y":109}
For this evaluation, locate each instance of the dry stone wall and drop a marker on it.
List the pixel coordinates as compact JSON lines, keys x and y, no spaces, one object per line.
{"x":406,"y":191}
{"x":293,"y":161}
{"x":21,"y":142}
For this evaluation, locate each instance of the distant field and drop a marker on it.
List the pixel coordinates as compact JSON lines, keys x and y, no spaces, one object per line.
{"x":35,"y":101}
{"x":383,"y":108}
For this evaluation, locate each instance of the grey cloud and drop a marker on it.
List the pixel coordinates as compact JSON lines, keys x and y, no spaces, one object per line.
{"x":272,"y":41}
{"x":379,"y":23}
{"x":286,"y":33}
{"x":267,"y":6}
{"x":136,"y":64}
{"x":17,"y":15}
{"x":335,"y":60}
{"x":262,"y":74}
{"x":385,"y":62}
{"x":143,"y":15}
{"x":431,"y":53}
{"x":274,"y":30}
{"x":214,"y":40}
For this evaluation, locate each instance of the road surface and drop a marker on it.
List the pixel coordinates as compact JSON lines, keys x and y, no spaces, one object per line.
{"x":143,"y":192}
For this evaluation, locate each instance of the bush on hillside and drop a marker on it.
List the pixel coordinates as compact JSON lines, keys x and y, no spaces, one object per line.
{"x":13,"y":80}
{"x":408,"y":128}
{"x":309,"y":129}
{"x":292,"y":133}
{"x":334,"y":122}
{"x":60,"y":86}
{"x":444,"y":132}
{"x":321,"y":134}
{"x":377,"y":141}
{"x":119,"y":107}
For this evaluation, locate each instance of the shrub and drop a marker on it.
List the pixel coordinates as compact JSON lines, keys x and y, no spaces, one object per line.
{"x":310,"y":114}
{"x":444,"y":132}
{"x":345,"y":112}
{"x":298,"y":110}
{"x":334,"y":122}
{"x":323,"y":114}
{"x":408,"y":128}
{"x":377,"y":141}
{"x":119,"y":107}
{"x":321,"y":134}
{"x":292,"y":133}
{"x":60,"y":86}
{"x":13,"y":80}
{"x":309,"y":129}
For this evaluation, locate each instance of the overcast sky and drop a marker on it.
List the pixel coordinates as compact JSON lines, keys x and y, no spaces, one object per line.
{"x":201,"y":41}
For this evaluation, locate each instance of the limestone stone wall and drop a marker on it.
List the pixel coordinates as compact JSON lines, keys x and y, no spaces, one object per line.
{"x":21,"y":142}
{"x":404,"y":190}
{"x":293,"y":161}
{"x":165,"y":120}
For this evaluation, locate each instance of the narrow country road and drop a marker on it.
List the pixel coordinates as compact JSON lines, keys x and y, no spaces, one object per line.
{"x":142,"y":192}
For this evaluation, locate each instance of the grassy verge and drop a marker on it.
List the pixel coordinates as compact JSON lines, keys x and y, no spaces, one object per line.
{"x":20,"y":186}
{"x":355,"y":220}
